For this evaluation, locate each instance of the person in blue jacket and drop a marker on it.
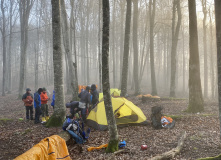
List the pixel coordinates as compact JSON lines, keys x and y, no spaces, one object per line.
{"x":37,"y":105}
{"x":53,"y":100}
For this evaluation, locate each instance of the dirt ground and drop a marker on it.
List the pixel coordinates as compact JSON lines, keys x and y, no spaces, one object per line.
{"x":17,"y":136}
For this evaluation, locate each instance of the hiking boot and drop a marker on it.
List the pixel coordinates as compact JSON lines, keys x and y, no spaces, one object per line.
{"x":47,"y":118}
{"x":43,"y":120}
{"x":36,"y":122}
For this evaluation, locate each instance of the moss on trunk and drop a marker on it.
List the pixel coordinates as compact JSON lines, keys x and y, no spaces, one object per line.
{"x":112,"y":146}
{"x":55,"y":121}
{"x":195,"y":108}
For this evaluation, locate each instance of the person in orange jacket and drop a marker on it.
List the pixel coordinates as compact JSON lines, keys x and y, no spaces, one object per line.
{"x":27,"y":98}
{"x":44,"y":105}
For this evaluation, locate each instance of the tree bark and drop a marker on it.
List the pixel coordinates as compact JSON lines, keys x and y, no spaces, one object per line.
{"x":126,"y":50}
{"x":205,"y":48}
{"x":152,"y":6}
{"x":99,"y":45}
{"x":24,"y":10}
{"x":4,"y":47}
{"x":175,"y":36}
{"x":212,"y":58}
{"x":59,"y":109}
{"x":73,"y":49}
{"x":68,"y":52}
{"x":195,"y":91}
{"x":135,"y":47}
{"x":113,"y":45}
{"x":112,"y":127}
{"x":218,"y":43}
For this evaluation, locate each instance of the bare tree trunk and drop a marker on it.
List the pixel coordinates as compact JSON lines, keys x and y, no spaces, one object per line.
{"x":73,"y":28}
{"x":184,"y":62}
{"x":205,"y":48}
{"x":4,"y":47}
{"x":24,"y":10}
{"x":68,"y":51}
{"x":195,"y":90}
{"x":122,"y":10}
{"x":135,"y":47}
{"x":99,"y":45}
{"x":175,"y":36}
{"x":86,"y":71}
{"x":113,"y":45}
{"x":59,"y":109}
{"x":112,"y":127}
{"x":218,"y":42}
{"x":152,"y":6}
{"x":212,"y":58}
{"x":9,"y":48}
{"x":126,"y":50}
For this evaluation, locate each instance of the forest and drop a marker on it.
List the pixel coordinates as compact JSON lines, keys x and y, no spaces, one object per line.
{"x":112,"y":62}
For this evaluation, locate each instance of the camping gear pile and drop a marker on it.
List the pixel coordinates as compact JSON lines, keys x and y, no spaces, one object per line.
{"x":159,"y":121}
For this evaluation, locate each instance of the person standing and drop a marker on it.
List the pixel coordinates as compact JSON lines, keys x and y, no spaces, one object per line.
{"x":95,"y":95}
{"x":44,"y":105}
{"x":27,"y":98}
{"x":37,"y":105}
{"x":85,"y":101}
{"x":53,"y":100}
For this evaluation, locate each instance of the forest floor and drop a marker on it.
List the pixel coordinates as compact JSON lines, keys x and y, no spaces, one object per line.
{"x":17,"y":136}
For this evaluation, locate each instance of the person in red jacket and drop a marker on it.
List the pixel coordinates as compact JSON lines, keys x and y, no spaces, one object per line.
{"x":44,"y":105}
{"x":27,"y":98}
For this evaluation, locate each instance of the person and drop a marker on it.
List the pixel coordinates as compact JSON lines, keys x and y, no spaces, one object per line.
{"x":37,"y":105}
{"x":95,"y":95}
{"x":74,"y":108}
{"x":27,"y":98}
{"x":156,"y":116}
{"x":44,"y":105}
{"x":53,"y":100}
{"x":75,"y":128}
{"x":85,"y":101}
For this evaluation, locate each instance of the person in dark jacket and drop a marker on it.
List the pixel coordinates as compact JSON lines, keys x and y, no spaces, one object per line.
{"x":74,"y":108}
{"x":85,"y":101}
{"x":95,"y":95}
{"x":53,"y":100}
{"x":37,"y":105}
{"x":27,"y":98}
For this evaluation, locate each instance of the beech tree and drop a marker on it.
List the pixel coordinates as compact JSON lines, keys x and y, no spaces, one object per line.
{"x":152,"y":8}
{"x":24,"y":11}
{"x":175,"y":36}
{"x":195,"y":91}
{"x":218,"y":43}
{"x":135,"y":47}
{"x":112,"y":127}
{"x":59,"y":109}
{"x":126,"y":50}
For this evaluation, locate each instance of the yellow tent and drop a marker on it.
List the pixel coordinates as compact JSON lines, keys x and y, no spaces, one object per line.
{"x":125,"y":113}
{"x":113,"y":91}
